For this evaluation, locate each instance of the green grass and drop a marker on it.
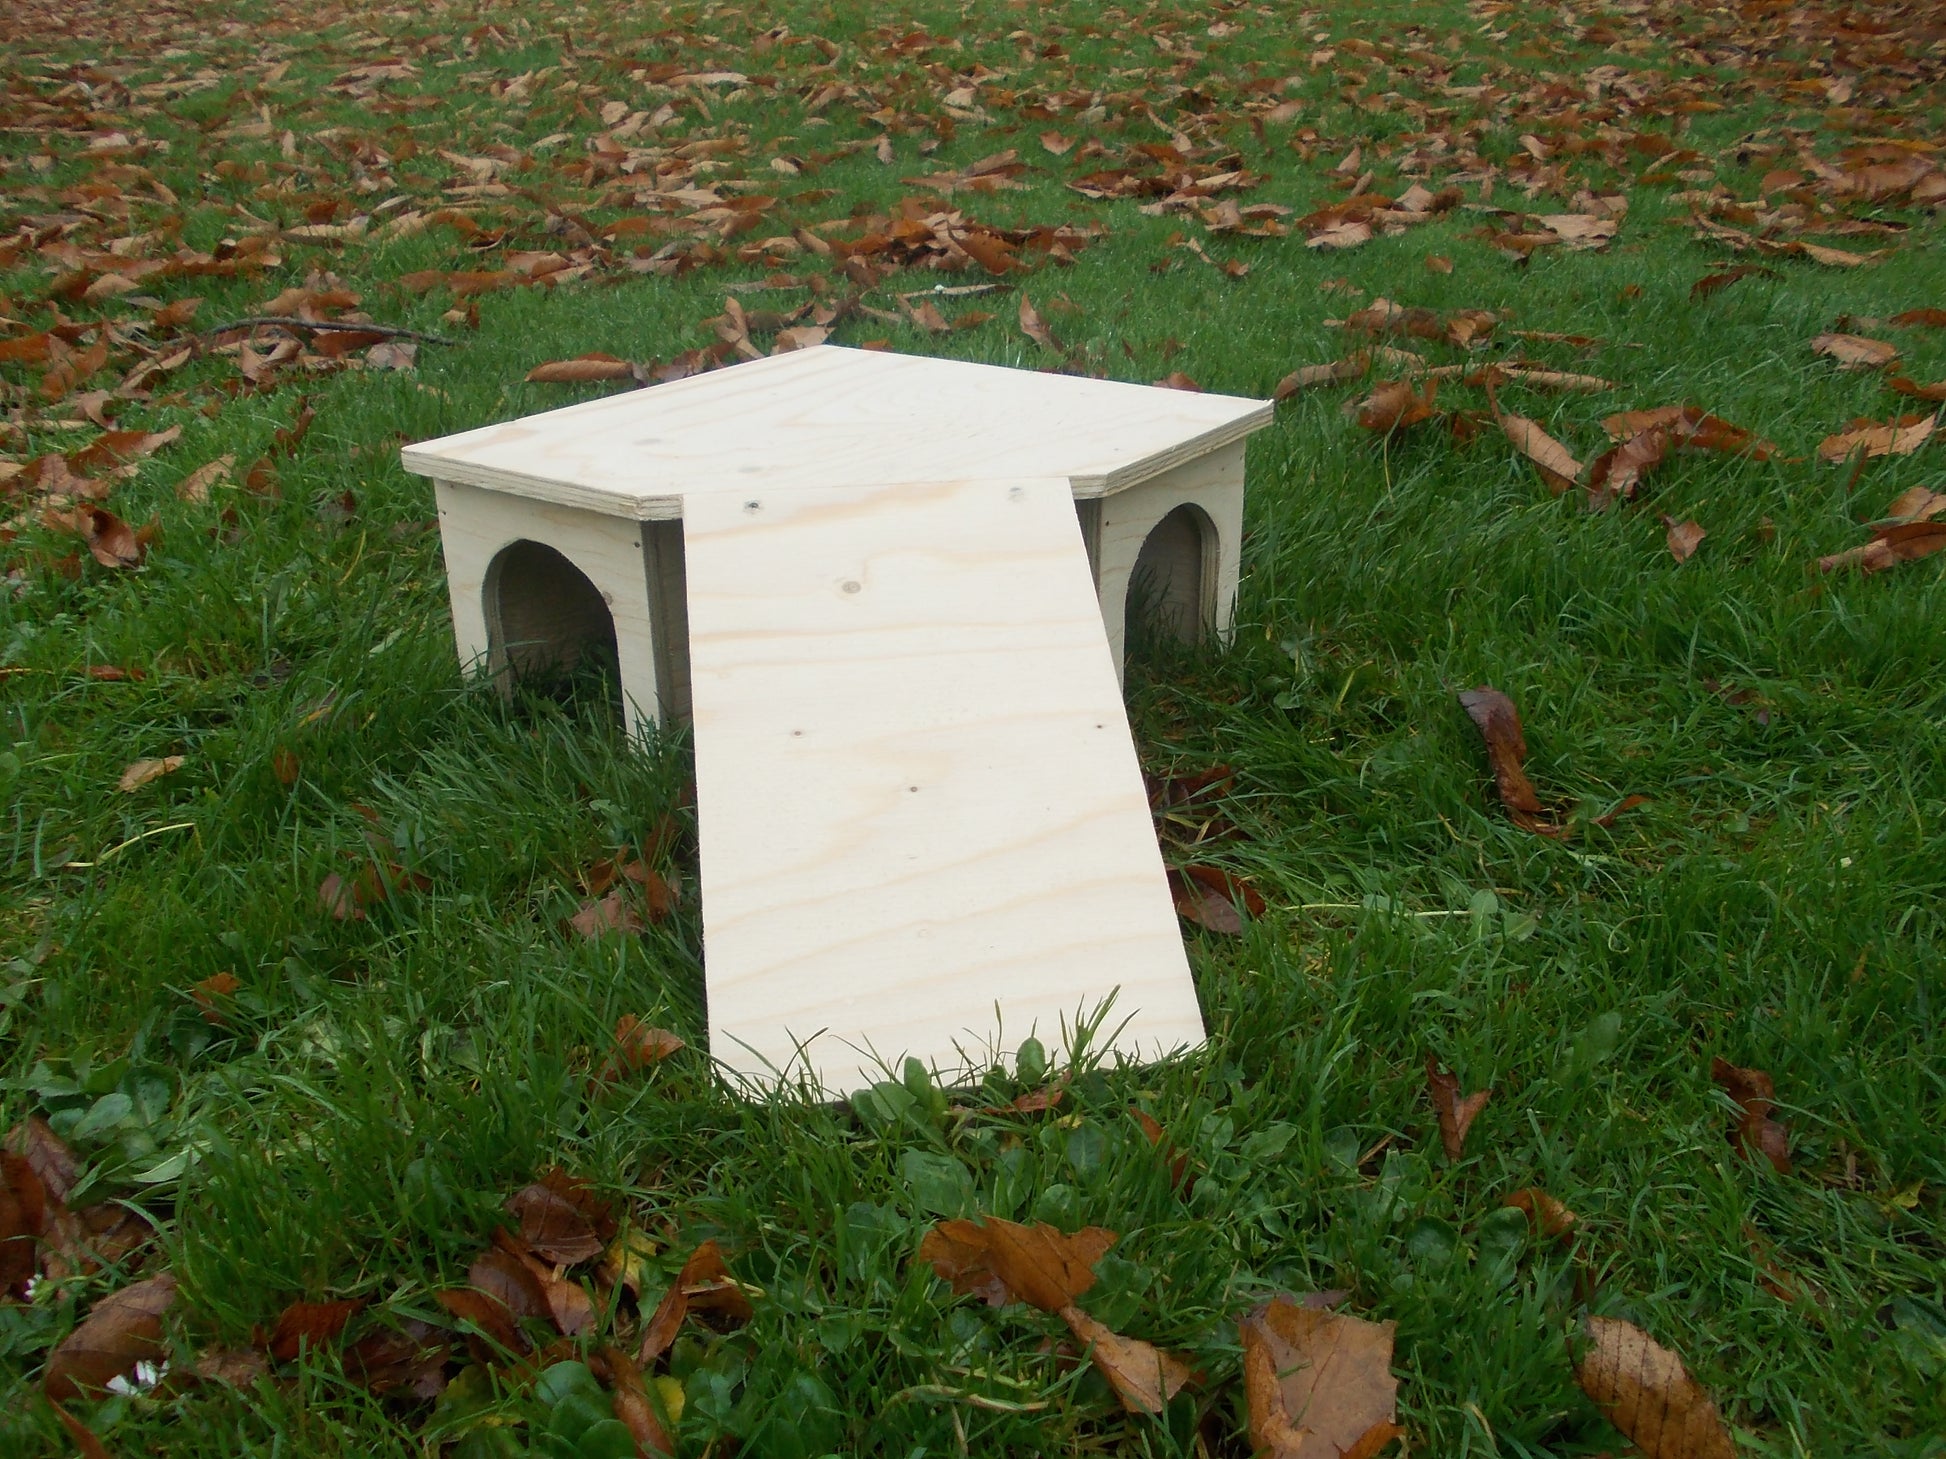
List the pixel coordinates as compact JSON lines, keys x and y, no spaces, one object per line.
{"x":382,"y":1085}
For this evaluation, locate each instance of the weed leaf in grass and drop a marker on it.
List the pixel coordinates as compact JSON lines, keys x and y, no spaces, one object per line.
{"x":1456,"y":1112}
{"x":1143,"y":1376}
{"x":1644,"y":1390}
{"x":1319,"y":1385}
{"x":1004,"y":1262}
{"x":1493,"y":713}
{"x":1757,"y":1134}
{"x":122,"y":1329}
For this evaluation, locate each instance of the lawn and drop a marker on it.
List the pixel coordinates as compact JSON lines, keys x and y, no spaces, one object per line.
{"x":300,"y":1011}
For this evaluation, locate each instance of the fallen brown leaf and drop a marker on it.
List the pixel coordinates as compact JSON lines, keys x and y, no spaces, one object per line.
{"x":1180,"y":1175}
{"x":86,"y":1440}
{"x":1900,"y":437}
{"x":632,"y":1405}
{"x":1643,"y":1390}
{"x":1683,"y":537}
{"x":1499,"y":725}
{"x":1005,"y":1262}
{"x":310,"y":1324}
{"x":1855,"y":352}
{"x":1715,"y":283}
{"x":122,"y":1329}
{"x":582,"y":369}
{"x":196,"y":486}
{"x":1035,"y":328}
{"x":1395,"y":405}
{"x":638,"y":1046}
{"x":1319,"y":1385}
{"x":1304,"y":377}
{"x":554,"y":1225}
{"x":703,"y":1285}
{"x":141,"y":772}
{"x":1557,"y":464}
{"x":1548,"y":1216}
{"x":1214,"y":899}
{"x":1143,"y":1376}
{"x":1756,"y":1132}
{"x":1456,"y":1114}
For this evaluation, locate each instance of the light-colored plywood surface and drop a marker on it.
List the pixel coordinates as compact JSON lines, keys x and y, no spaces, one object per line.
{"x":923,"y":826}
{"x":830,"y":416}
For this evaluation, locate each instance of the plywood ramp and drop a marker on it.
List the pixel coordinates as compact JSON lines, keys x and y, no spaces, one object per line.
{"x":923,"y":825}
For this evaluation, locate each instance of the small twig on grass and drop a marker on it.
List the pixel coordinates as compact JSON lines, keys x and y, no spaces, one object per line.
{"x":349,"y":326}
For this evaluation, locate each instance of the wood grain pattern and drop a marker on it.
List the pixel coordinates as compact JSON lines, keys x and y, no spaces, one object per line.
{"x":831,"y":416}
{"x":923,"y":824}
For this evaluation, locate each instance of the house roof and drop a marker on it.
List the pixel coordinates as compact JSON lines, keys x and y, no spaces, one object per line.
{"x":830,"y":416}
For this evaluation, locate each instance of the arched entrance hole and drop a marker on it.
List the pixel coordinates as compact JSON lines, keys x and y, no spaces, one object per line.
{"x":548,"y":627}
{"x":1170,"y":589}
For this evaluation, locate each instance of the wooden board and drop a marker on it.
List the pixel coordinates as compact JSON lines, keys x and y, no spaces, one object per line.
{"x":918,"y":796}
{"x":830,"y":416}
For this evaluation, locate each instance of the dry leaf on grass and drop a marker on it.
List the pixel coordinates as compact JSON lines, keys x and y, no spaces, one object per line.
{"x":1715,"y":283}
{"x":1855,"y":352}
{"x":703,"y":1285}
{"x":1643,"y":1390}
{"x":1143,"y":1376}
{"x":1871,"y":439}
{"x":1004,"y":1262}
{"x":1306,"y":377}
{"x":1547,"y":1216}
{"x":1756,"y":1134}
{"x":141,"y":772}
{"x":1035,"y":328}
{"x":1683,"y":538}
{"x":638,"y":1046}
{"x":1214,"y":899}
{"x":1499,"y":725}
{"x":309,"y":1324}
{"x":1319,"y":1385}
{"x":122,"y":1329}
{"x":1395,"y":405}
{"x":632,"y":1405}
{"x":1456,"y":1113}
{"x":1181,"y":1178}
{"x":582,"y":369}
{"x":554,"y":1224}
{"x":1557,"y":464}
